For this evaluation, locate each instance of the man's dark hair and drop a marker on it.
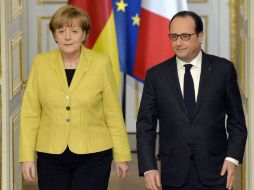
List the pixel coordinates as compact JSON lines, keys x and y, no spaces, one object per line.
{"x":197,"y":19}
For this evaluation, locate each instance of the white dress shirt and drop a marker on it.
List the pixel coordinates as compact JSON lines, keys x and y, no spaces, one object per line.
{"x":195,"y":72}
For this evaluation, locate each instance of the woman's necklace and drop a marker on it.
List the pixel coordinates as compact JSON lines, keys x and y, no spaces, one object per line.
{"x":71,"y":66}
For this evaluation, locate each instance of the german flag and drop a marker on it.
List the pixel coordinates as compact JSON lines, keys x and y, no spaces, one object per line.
{"x":102,"y":37}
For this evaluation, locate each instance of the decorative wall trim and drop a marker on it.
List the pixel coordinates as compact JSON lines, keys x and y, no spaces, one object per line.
{"x":14,"y":132}
{"x":46,"y":41}
{"x":197,"y":1}
{"x":40,"y":32}
{"x":0,"y":66}
{"x":15,"y":8}
{"x":238,"y":58}
{"x":51,"y":1}
{"x":238,"y":41}
{"x":16,"y":65}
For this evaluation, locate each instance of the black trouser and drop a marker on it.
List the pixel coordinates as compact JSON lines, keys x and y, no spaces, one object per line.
{"x":193,"y":182}
{"x":69,"y":171}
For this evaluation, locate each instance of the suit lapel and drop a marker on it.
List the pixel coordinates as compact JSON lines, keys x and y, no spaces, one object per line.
{"x":174,"y":82}
{"x":206,"y":74}
{"x":58,"y":66}
{"x":83,"y":66}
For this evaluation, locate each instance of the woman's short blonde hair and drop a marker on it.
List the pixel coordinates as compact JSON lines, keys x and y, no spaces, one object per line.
{"x":68,"y":16}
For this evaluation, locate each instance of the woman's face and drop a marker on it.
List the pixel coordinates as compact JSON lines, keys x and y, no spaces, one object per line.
{"x":70,"y":39}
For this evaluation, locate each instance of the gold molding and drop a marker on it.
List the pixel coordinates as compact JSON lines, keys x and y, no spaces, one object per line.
{"x":238,"y":42}
{"x":24,"y":83}
{"x":1,"y":132}
{"x":16,"y":42}
{"x":39,"y":35}
{"x":14,"y":13}
{"x":0,"y":65}
{"x":243,"y":175}
{"x":13,"y":122}
{"x":197,"y":1}
{"x":236,"y":59}
{"x":51,"y":2}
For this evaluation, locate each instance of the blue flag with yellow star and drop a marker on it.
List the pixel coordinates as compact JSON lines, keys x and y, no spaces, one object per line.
{"x":127,"y":20}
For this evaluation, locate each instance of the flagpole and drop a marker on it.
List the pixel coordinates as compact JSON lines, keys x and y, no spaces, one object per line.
{"x":124,"y":97}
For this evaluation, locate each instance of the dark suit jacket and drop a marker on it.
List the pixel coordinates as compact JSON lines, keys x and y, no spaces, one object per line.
{"x":202,"y":136}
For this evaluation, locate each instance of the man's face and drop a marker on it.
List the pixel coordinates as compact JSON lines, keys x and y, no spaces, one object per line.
{"x":185,"y":50}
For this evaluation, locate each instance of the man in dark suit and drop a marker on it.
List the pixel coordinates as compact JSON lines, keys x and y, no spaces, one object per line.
{"x":195,"y":97}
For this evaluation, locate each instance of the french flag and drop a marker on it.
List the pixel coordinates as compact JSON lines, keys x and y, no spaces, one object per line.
{"x":153,"y":44}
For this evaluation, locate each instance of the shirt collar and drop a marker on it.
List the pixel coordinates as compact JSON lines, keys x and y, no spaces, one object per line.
{"x":196,"y":62}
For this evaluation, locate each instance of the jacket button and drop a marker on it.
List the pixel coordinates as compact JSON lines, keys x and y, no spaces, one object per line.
{"x":68,"y":108}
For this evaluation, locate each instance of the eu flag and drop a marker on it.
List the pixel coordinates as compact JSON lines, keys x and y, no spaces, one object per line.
{"x":127,"y":18}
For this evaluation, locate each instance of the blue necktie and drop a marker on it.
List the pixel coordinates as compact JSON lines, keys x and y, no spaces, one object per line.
{"x":188,"y":91}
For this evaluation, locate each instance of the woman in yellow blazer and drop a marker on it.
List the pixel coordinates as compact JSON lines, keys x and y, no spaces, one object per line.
{"x":71,"y":114}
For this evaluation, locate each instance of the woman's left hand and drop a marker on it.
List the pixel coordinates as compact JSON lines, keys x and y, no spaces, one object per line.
{"x":121,"y":169}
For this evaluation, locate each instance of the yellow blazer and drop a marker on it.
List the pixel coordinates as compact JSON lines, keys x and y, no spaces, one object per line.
{"x":85,"y":116}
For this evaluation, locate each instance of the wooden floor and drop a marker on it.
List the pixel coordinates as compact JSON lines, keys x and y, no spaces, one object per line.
{"x":132,"y":182}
